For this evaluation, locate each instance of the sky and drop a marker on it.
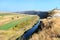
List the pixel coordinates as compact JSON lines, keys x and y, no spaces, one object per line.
{"x":26,"y":5}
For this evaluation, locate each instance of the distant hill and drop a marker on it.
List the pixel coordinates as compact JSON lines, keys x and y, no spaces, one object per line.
{"x":41,"y":14}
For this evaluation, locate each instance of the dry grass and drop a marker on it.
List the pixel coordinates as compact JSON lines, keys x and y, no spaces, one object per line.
{"x":9,"y":34}
{"x":50,"y":30}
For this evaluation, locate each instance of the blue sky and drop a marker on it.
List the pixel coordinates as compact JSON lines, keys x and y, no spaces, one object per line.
{"x":25,"y":5}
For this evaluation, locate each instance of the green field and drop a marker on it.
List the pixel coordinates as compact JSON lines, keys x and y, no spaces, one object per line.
{"x":12,"y":24}
{"x":23,"y":22}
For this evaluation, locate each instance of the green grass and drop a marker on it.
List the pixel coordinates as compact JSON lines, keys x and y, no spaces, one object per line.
{"x":26,"y":23}
{"x":14,"y":23}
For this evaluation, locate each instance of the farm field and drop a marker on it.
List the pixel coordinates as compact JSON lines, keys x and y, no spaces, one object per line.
{"x":13,"y":26}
